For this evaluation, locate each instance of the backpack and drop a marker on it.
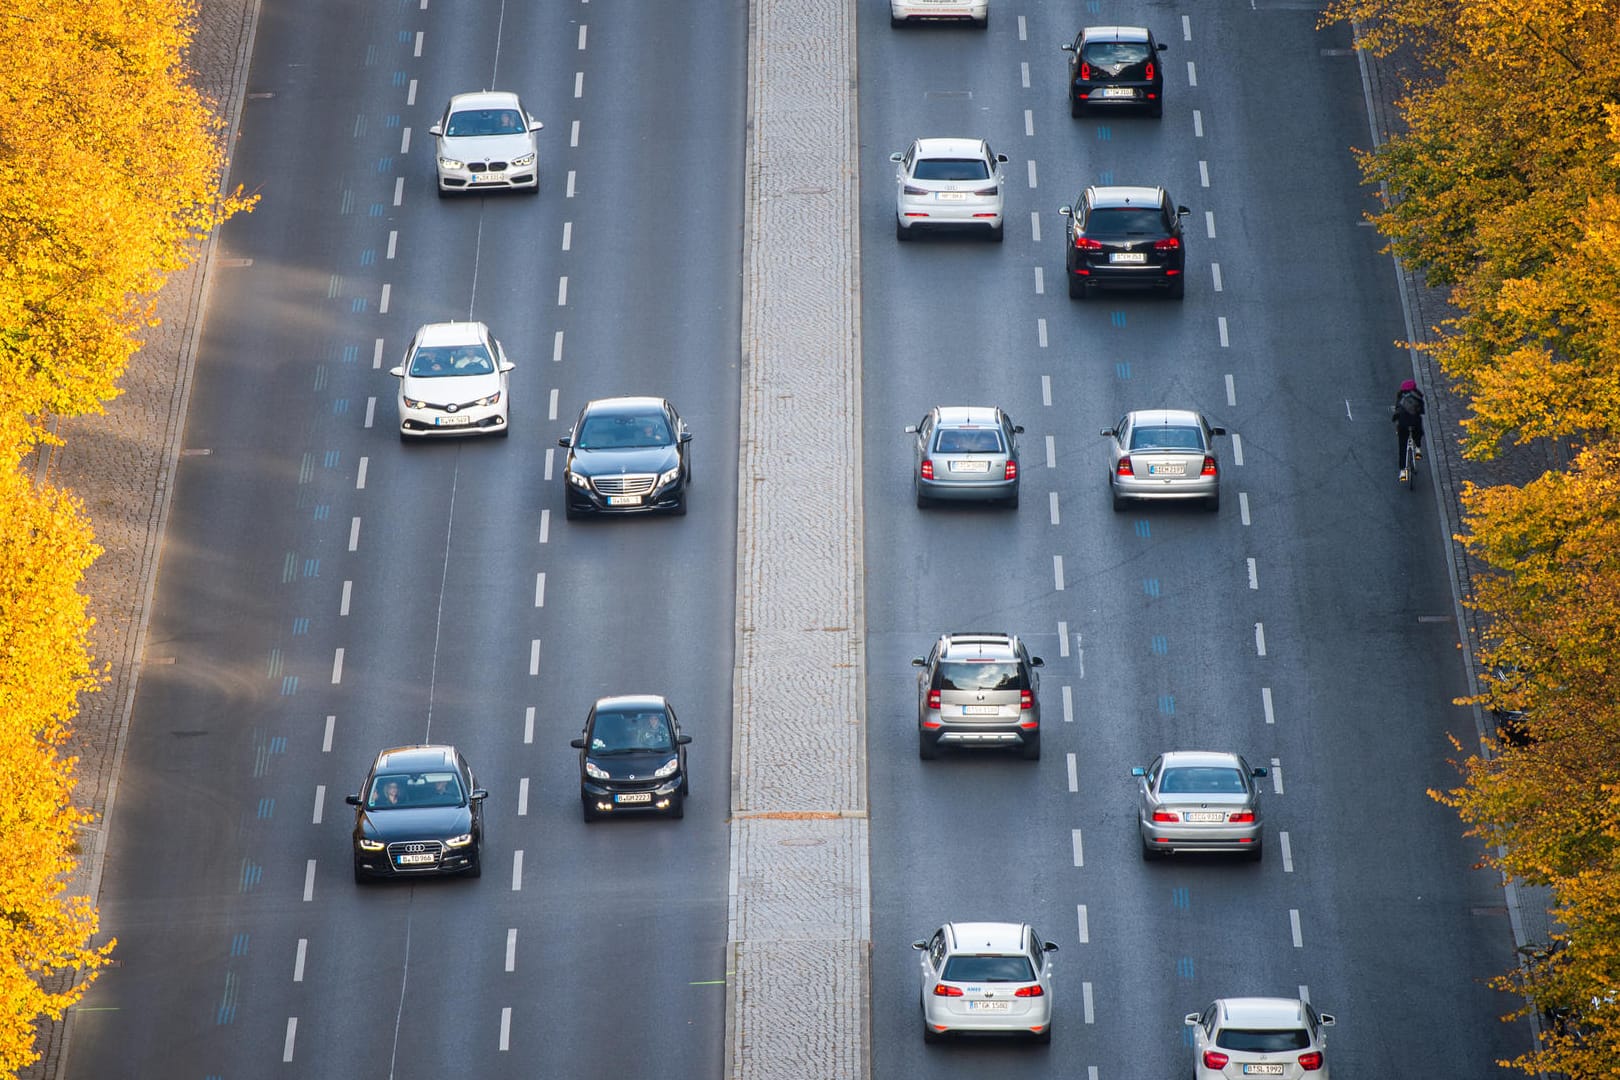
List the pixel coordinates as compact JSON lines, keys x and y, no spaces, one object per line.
{"x":1411,"y":403}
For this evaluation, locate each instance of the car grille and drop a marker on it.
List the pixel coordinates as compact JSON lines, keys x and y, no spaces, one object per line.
{"x":624,"y":484}
{"x":416,"y":847}
{"x":486,"y":166}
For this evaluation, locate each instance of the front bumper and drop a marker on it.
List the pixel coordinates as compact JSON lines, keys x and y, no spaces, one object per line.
{"x":528,"y":176}
{"x":609,"y":797}
{"x":430,"y":423}
{"x":381,"y":863}
{"x":588,"y":500}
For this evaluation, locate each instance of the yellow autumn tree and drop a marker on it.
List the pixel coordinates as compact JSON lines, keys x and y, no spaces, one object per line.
{"x":45,"y":546}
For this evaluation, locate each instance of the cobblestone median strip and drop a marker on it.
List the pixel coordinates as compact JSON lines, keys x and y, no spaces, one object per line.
{"x":799,"y":919}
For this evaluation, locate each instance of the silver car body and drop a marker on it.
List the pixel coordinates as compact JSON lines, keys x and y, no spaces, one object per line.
{"x":453,"y":381}
{"x":1199,"y":800}
{"x":903,"y":11}
{"x":1242,"y":1038}
{"x":948,"y":183}
{"x":1163,"y":454}
{"x":486,"y":141}
{"x":965,"y":453}
{"x":986,"y":977}
{"x":978,"y":689}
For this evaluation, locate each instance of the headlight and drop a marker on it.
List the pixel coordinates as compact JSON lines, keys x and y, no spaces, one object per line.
{"x":595,"y":771}
{"x":491,"y":400}
{"x":412,"y":403}
{"x":371,"y":845}
{"x":451,"y":163}
{"x":520,"y":162}
{"x":669,"y":476}
{"x":459,"y":841}
{"x":579,"y":481}
{"x":667,"y":768}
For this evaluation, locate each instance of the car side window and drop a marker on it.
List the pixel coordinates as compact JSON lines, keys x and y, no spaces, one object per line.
{"x":1153,"y":771}
{"x":936,"y":950}
{"x":1208,"y":1021}
{"x":1037,"y":955}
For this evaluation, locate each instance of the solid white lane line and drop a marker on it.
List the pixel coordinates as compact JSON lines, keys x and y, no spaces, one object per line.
{"x":1046,"y":391}
{"x":569,"y":193}
{"x":1237,"y":448}
{"x":534,"y":657}
{"x":399,"y":191}
{"x":404,"y":148}
{"x":1220,"y":322}
{"x":511,"y":949}
{"x":1029,"y":119}
{"x":1231,"y":390}
{"x":556,"y":347}
{"x":337,"y":666}
{"x":1265,"y":703}
{"x":1023,"y":73}
{"x":1032,"y":174}
{"x":573,"y":135}
{"x":1203,"y":174}
{"x":568,"y":242}
{"x":1052,"y":499}
{"x":410,"y":93}
{"x":562,"y":291}
{"x":360,"y":474}
{"x":1068,"y":705}
{"x":1243,"y":506}
{"x":309,"y":881}
{"x":1057,"y":572}
{"x":292,"y":1035}
{"x":506,"y":1027}
{"x":1085,"y":925}
{"x":1260,"y":638}
{"x":1040,"y":331}
{"x":1287,"y":852}
{"x":320,"y":802}
{"x":371,"y":410}
{"x":382,"y":301}
{"x":523,"y":797}
{"x":1079,"y":855}
{"x":550,"y":450}
{"x":528,"y":725}
{"x":540,"y":589}
{"x":517,"y":870}
{"x":1074,"y":774}
{"x":326,"y":738}
{"x":1198,"y":124}
{"x":1085,"y":996}
{"x":1051,"y":452}
{"x":298,"y":960}
{"x":343,"y":605}
{"x":545,"y":525}
{"x":1209,"y":223}
{"x":354,"y":535}
{"x":1035,"y":226}
{"x":1192,"y":74}
{"x":1293,"y":927}
{"x":1254,"y":575}
{"x":1186,"y":28}
{"x":579,"y":84}
{"x":1276,"y":776}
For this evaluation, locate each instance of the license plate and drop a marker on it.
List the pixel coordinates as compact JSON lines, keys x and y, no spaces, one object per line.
{"x":624,"y":500}
{"x":633,"y":797}
{"x":487,"y":178}
{"x":1132,"y":257}
{"x":1177,"y":468}
{"x":970,"y":466}
{"x":458,"y":420}
{"x":989,"y":1006}
{"x":981,"y":710}
{"x":1264,"y":1069}
{"x":951,"y":196}
{"x":1118,"y":92}
{"x":426,"y":859}
{"x":1204,"y":815}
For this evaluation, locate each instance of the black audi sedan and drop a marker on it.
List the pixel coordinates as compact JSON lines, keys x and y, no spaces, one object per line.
{"x":626,"y":455}
{"x":1125,"y":237}
{"x":632,"y":757}
{"x":420,"y":812}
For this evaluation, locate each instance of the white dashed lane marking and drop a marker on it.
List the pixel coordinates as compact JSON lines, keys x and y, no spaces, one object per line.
{"x":1085,"y":925}
{"x":1079,"y":853}
{"x":298,"y":960}
{"x":1265,"y":703}
{"x":343,"y":605}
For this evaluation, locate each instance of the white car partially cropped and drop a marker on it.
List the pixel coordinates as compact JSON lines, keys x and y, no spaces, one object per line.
{"x":454,"y":381}
{"x":948,"y":184}
{"x":902,"y":12}
{"x":486,"y":141}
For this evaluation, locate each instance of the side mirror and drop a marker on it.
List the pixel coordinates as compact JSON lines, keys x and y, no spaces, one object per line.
{"x":919,"y":945}
{"x":535,"y":125}
{"x":911,"y":429}
{"x":352,"y":800}
{"x":1260,"y":770}
{"x":1217,"y":431}
{"x":1137,"y":770}
{"x":1110,"y":432}
{"x":1066,"y":211}
{"x":683,"y":739}
{"x":686,"y":436}
{"x":1163,"y":46}
{"x":897,"y":157}
{"x":436,"y":129}
{"x":1067,"y":46}
{"x":917,"y":661}
{"x":1182,"y":211}
{"x":1049,"y":946}
{"x":1018,"y":429}
{"x":566,"y":440}
{"x":577,"y":744}
{"x":1191,"y":1020}
{"x":1001,"y":157}
{"x":1327,"y":1019}
{"x":477,"y":795}
{"x":506,"y":365}
{"x":397,"y":372}
{"x":1036,"y":661}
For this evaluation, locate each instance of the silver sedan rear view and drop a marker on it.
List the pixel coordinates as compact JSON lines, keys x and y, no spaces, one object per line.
{"x":1199,"y":800}
{"x":1163,"y":454}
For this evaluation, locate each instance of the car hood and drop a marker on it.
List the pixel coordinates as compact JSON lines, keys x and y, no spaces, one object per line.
{"x":487,"y":147}
{"x":639,"y":765}
{"x":414,"y":823}
{"x":450,"y":389}
{"x":643,"y":459}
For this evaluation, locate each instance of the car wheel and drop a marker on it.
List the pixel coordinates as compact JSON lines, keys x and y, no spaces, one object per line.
{"x":900,"y":231}
{"x":443,"y":193}
{"x":929,"y":1034}
{"x":1012,"y":503}
{"x":360,"y":876}
{"x":679,"y":509}
{"x":1156,"y":110}
{"x":1149,"y":852}
{"x":589,"y":813}
{"x":535,"y":190}
{"x":569,"y":512}
{"x":1075,"y":109}
{"x":677,"y":809}
{"x":1119,"y":501}
{"x":476,"y":867}
{"x":404,"y":438}
{"x":927,"y":749}
{"x":1178,"y":288}
{"x":984,"y":23}
{"x":1045,"y":1037}
{"x":1077,"y":288}
{"x":1031,"y":749}
{"x":1257,"y":852}
{"x":998,"y":232}
{"x":505,"y":429}
{"x":686,"y":786}
{"x":1213,"y":503}
{"x":923,"y":501}
{"x":896,"y":22}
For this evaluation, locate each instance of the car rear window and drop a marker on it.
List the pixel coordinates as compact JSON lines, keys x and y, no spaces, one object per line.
{"x":988,"y":969}
{"x":968,"y":441}
{"x":1202,"y":780}
{"x":980,"y":675}
{"x":1115,"y":54}
{"x":1166,"y":438}
{"x":951,"y":169}
{"x":1262,"y":1042}
{"x":472,"y":123}
{"x":1106,"y":221}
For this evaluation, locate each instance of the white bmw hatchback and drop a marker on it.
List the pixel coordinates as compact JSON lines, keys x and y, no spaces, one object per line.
{"x":948,"y":184}
{"x":454,"y":381}
{"x":485,"y":141}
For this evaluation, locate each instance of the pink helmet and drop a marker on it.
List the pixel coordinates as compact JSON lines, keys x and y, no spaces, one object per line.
{"x":1408,"y":385}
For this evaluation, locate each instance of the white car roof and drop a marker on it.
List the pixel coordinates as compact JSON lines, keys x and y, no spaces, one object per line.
{"x":1180,"y":759}
{"x":452,"y":333}
{"x":1164,"y":417}
{"x":484,"y":99}
{"x":950,"y":148}
{"x":990,"y":937}
{"x":1263,"y":1013}
{"x":957,"y":415}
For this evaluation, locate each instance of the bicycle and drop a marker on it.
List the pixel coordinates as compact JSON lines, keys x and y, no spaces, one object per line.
{"x":1409,"y":470}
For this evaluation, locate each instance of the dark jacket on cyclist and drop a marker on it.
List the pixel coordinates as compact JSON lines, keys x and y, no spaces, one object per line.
{"x":1408,"y":417}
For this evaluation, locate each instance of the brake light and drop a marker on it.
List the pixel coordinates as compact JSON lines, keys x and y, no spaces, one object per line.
{"x":941,"y":990}
{"x":1011,"y":471}
{"x":933,"y":699}
{"x":1312,"y":1061}
{"x":927,"y":469}
{"x":1085,"y":243}
{"x":1209,"y":466}
{"x":1169,"y":243}
{"x":1026,"y":700}
{"x":1085,"y":71}
{"x":1166,"y":815}
{"x":913,"y":189}
{"x":988,"y":191}
{"x":1214,"y":1059}
{"x":1150,"y":70}
{"x":1029,"y":991}
{"x":1241,"y":817}
{"x":1124,"y":467}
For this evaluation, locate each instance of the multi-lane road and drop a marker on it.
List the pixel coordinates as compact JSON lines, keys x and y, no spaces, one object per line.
{"x":326,"y":591}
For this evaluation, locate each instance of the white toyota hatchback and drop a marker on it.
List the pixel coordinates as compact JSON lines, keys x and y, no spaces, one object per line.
{"x":948,"y":184}
{"x":454,"y":381}
{"x":485,"y":141}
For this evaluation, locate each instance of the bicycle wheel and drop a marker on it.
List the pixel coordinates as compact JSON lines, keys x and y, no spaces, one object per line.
{"x":1411,"y":464}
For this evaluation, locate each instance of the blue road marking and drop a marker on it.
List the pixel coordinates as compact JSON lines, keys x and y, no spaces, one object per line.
{"x":1123,"y":369}
{"x":1143,"y":528}
{"x":1181,"y":898}
{"x":289,"y":686}
{"x":312,"y":568}
{"x":1184,"y":967}
{"x":322,"y":512}
{"x":340,"y":407}
{"x":1167,"y":704}
{"x":267,"y":808}
{"x":239,"y":945}
{"x":1150,"y":586}
{"x":1117,"y":318}
{"x":1160,"y":644}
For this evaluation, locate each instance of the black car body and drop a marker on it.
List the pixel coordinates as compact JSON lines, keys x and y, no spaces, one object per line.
{"x":1124,"y":237}
{"x":1114,"y":67}
{"x":632,"y":758}
{"x":626,"y":455}
{"x":420,"y":812}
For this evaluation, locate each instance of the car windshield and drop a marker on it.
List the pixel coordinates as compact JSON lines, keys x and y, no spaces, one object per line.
{"x":979,"y":675}
{"x":1262,"y":1042}
{"x":1120,"y":221}
{"x":1202,"y":780}
{"x":471,"y":123}
{"x":1115,"y":54}
{"x":988,"y":969}
{"x":630,"y":733}
{"x":441,"y":361}
{"x":968,"y":441}
{"x":1162,"y":437}
{"x":398,"y":791}
{"x":622,"y":432}
{"x":951,"y":169}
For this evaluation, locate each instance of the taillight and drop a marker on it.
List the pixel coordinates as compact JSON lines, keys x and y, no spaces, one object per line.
{"x":1011,"y":471}
{"x":1150,"y":71}
{"x":1166,"y":815}
{"x":1169,"y":243}
{"x":1085,"y":70}
{"x":1214,"y":1059}
{"x":1026,"y":700}
{"x":988,"y":191}
{"x":912,"y":189}
{"x":933,"y":699}
{"x":1085,"y":243}
{"x":927,"y":469}
{"x":1029,"y":991}
{"x":1124,"y":467}
{"x":1241,"y":817}
{"x":941,"y":990}
{"x":1312,"y":1061}
{"x":1209,"y":466}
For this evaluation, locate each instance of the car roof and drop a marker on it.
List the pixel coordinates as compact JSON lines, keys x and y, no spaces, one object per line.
{"x":1117,"y":195}
{"x":630,"y":703}
{"x":1116,"y":33}
{"x":452,"y":333}
{"x":967,"y":415}
{"x":1199,"y":758}
{"x":1262,"y":1012}
{"x":990,"y":937}
{"x":1164,"y":418}
{"x":420,"y":756}
{"x":950,"y":148}
{"x":980,"y":643}
{"x":620,"y":406}
{"x":485,"y":99}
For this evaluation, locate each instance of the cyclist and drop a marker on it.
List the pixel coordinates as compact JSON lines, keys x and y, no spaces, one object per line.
{"x":1407,"y":413}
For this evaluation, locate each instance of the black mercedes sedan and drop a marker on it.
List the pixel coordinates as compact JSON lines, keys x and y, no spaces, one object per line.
{"x":626,"y":455}
{"x":632,"y":757}
{"x":420,"y":812}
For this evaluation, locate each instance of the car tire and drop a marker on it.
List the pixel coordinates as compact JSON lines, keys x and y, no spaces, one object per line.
{"x":1031,"y":750}
{"x":1045,"y":1037}
{"x":686,"y":785}
{"x":896,"y":23}
{"x":901,"y":233}
{"x":927,"y":749}
{"x":590,"y":815}
{"x":569,"y":512}
{"x":984,"y":23}
{"x":1213,"y":503}
{"x":360,"y":876}
{"x":443,"y":192}
{"x":1149,"y":852}
{"x":929,"y":1034}
{"x":1256,"y":853}
{"x":677,"y":809}
{"x":475,"y":869}
{"x":1012,"y":503}
{"x":1118,"y":500}
{"x":505,"y":429}
{"x":1077,"y":288}
{"x":923,"y":501}
{"x":1178,"y":288}
{"x":679,"y":509}
{"x":998,"y":232}
{"x":1156,"y":110}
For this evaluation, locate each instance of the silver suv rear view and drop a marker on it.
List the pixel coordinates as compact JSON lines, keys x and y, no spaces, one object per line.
{"x":978,"y":690}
